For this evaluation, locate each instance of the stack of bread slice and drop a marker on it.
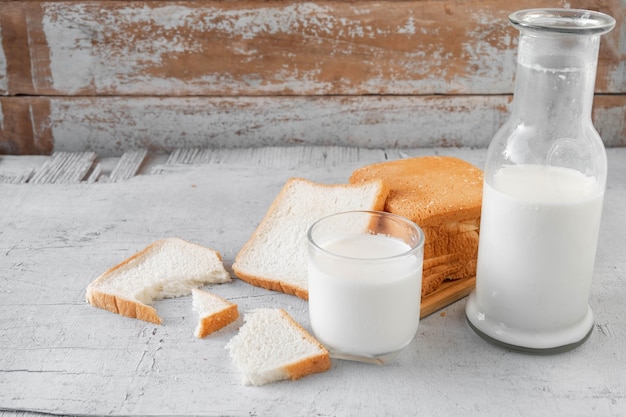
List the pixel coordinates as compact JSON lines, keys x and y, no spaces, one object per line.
{"x":443,"y":195}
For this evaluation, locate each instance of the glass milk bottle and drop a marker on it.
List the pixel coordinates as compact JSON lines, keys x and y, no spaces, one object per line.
{"x":543,"y":190}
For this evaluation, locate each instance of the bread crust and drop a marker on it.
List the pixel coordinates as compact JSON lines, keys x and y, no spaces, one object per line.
{"x":272,"y":285}
{"x":120,"y":305}
{"x":310,"y":365}
{"x":436,"y":270}
{"x":217,"y":320}
{"x":124,"y":307}
{"x":430,"y":190}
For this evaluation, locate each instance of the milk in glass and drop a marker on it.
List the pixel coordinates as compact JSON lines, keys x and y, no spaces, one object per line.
{"x":368,"y":308}
{"x":365,"y":282}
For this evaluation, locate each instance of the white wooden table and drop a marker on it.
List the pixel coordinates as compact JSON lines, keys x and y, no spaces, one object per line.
{"x":59,"y":355}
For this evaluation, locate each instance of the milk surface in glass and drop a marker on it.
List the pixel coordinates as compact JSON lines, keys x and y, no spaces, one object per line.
{"x":368,"y":307}
{"x":537,"y":247}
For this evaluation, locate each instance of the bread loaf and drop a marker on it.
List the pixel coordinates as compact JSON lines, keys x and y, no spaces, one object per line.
{"x":443,"y":195}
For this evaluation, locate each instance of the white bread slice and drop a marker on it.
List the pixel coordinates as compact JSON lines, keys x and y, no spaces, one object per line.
{"x":166,"y":268}
{"x":275,"y":256}
{"x":214,"y":312}
{"x":271,"y":346}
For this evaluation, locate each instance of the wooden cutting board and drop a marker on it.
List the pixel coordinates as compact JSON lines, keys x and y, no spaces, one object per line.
{"x":446,"y":294}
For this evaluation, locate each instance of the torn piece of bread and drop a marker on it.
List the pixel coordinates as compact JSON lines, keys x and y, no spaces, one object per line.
{"x":275,"y":256}
{"x":443,"y":195}
{"x":271,"y":346}
{"x":167,"y":268}
{"x":214,"y":312}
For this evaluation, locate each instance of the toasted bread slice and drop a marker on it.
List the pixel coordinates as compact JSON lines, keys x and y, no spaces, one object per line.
{"x":271,"y":346}
{"x":275,"y":256}
{"x":430,"y":190}
{"x":214,"y":312}
{"x":166,"y":268}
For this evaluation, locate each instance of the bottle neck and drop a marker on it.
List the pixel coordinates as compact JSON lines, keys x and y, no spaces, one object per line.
{"x":555,"y":79}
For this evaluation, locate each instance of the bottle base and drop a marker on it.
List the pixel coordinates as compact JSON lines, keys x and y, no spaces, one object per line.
{"x":539,"y":343}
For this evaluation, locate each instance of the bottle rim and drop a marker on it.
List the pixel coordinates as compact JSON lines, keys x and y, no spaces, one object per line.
{"x":572,"y":21}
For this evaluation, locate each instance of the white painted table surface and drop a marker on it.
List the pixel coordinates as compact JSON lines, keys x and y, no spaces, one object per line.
{"x":59,"y":355}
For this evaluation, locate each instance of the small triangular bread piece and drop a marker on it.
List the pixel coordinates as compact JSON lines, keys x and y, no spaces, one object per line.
{"x":271,"y":346}
{"x":167,"y":268}
{"x":214,"y":312}
{"x":275,"y":256}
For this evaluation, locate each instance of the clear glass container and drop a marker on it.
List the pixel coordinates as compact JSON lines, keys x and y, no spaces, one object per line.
{"x":543,"y":190}
{"x":365,"y":284}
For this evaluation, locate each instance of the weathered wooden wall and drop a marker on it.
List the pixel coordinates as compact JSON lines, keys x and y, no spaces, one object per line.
{"x":109,"y":76}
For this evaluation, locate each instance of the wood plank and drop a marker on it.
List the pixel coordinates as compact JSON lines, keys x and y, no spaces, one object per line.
{"x":249,"y":47}
{"x":16,"y":178}
{"x":127,"y":166}
{"x":111,"y":126}
{"x":448,"y":292}
{"x":25,"y":128}
{"x":273,"y":157}
{"x":19,"y":169}
{"x":64,"y":167}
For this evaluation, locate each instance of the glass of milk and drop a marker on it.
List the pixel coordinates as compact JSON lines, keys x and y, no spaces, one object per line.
{"x":543,"y":191}
{"x":365,"y":281}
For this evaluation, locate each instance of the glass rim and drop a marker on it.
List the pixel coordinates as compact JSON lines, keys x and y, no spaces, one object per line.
{"x":414,"y":226}
{"x":571,"y":21}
